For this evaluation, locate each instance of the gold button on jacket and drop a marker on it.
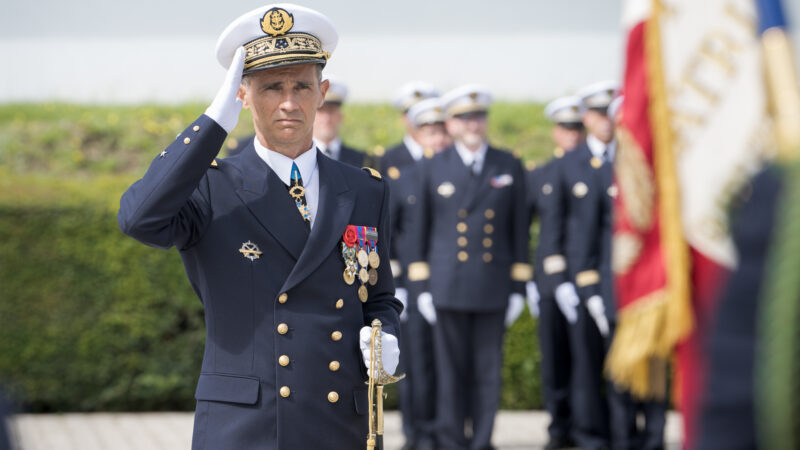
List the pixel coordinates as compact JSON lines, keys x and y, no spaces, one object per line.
{"x":333,"y":397}
{"x":283,"y":328}
{"x":285,"y":391}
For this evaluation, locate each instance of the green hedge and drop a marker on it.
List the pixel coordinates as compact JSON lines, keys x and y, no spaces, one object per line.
{"x":95,"y":321}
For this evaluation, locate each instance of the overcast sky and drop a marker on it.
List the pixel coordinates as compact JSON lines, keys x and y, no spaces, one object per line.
{"x":163,"y":50}
{"x":25,"y":18}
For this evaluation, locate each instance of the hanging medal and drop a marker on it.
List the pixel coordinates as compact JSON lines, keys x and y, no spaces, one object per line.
{"x":373,"y":259}
{"x":363,"y":261}
{"x":349,"y":254}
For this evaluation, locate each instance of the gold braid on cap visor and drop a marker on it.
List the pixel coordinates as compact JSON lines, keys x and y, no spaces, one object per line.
{"x":292,"y":47}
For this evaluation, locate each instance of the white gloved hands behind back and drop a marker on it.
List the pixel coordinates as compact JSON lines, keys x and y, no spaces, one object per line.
{"x":390,"y":350}
{"x":568,"y":300}
{"x":226,"y":106}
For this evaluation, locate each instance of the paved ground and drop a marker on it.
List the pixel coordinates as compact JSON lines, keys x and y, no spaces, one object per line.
{"x":514,"y":430}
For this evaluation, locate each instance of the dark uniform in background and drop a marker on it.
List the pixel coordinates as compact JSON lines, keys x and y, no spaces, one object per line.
{"x":556,"y":368}
{"x":418,"y":392}
{"x":471,"y":237}
{"x":282,"y":368}
{"x":727,"y":416}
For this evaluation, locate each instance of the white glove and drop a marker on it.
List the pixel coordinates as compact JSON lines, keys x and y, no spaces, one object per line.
{"x":516,"y":303}
{"x":390,"y":351}
{"x":597,"y":310}
{"x":402,"y":295}
{"x":533,"y":298}
{"x":568,"y":300}
{"x":425,"y":307}
{"x":226,"y":106}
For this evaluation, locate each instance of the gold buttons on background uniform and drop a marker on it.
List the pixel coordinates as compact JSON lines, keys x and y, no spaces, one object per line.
{"x":333,"y":397}
{"x":285,"y":391}
{"x":283,"y":360}
{"x":487,"y":257}
{"x":462,"y":213}
{"x":462,"y":241}
{"x":336,"y":335}
{"x":196,"y":128}
{"x":339,"y":303}
{"x":488,"y":228}
{"x":489,"y":214}
{"x":461,"y":227}
{"x":187,"y":140}
{"x":463,"y":256}
{"x":283,"y":328}
{"x":487,"y":242}
{"x":283,"y":297}
{"x":333,"y":366}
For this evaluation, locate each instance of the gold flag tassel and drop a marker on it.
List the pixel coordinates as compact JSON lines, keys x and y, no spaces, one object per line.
{"x":378,"y":378}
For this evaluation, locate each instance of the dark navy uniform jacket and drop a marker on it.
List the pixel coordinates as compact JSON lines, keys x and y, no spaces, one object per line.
{"x":537,"y":198}
{"x":397,"y":157}
{"x":550,"y":262}
{"x":472,"y":230}
{"x":349,"y":155}
{"x":399,"y":171}
{"x":583,"y":194}
{"x":282,"y":367}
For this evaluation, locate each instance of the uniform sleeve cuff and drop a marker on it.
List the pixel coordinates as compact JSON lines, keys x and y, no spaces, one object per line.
{"x":418,"y":271}
{"x":521,"y":272}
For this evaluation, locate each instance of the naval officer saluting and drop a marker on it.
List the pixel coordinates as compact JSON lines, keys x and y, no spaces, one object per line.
{"x":284,"y":246}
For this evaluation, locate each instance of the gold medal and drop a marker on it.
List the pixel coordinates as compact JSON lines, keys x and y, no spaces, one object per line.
{"x":373,"y":277}
{"x":349,"y":276}
{"x":363,"y":275}
{"x":362,"y":293}
{"x":363,"y":259}
{"x":374,"y":259}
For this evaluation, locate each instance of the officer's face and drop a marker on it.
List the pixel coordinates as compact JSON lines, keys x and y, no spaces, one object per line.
{"x":469,"y":129}
{"x":327,"y":122}
{"x":283,"y":102}
{"x":599,"y":125}
{"x":566,"y":138}
{"x":433,"y":136}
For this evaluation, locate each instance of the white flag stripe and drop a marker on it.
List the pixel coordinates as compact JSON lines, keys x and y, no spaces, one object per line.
{"x":712,"y":66}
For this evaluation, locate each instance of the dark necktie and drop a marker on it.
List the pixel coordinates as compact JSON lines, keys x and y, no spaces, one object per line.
{"x":298,"y":193}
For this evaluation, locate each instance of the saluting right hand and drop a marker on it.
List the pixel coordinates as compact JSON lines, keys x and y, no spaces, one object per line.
{"x":226,"y":106}
{"x":568,"y":300}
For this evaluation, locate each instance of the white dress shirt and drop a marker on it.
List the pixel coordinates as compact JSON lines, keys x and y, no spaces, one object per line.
{"x":332,"y":149}
{"x":468,"y":156}
{"x":306,"y":163}
{"x":598,"y":148}
{"x":413,"y":147}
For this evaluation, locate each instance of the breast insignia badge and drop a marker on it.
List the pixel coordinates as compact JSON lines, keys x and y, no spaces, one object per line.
{"x":250,"y":251}
{"x":446,"y":189}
